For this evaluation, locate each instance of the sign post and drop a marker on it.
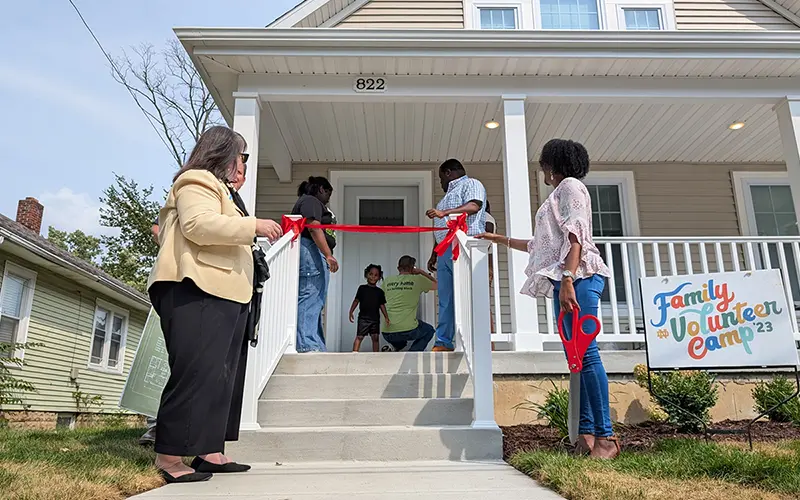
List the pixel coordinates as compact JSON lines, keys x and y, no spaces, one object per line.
{"x":718,"y":321}
{"x":149,"y":371}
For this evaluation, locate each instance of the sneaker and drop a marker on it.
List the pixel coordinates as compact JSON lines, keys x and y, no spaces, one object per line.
{"x":148,"y":438}
{"x":387,"y":348}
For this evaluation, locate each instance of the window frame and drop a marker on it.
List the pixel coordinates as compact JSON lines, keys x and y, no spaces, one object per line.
{"x":523,"y":11}
{"x":103,"y":366}
{"x":617,"y":13}
{"x":743,"y":197}
{"x":26,"y":305}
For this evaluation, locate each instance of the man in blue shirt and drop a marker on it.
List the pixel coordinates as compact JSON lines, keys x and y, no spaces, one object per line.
{"x":462,"y":195}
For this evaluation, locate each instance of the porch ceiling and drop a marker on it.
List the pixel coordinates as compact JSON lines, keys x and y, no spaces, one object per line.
{"x":630,"y":133}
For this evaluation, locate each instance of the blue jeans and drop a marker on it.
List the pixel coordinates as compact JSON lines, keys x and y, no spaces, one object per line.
{"x":419,"y":338}
{"x":595,"y":415}
{"x":311,"y":296}
{"x":447,"y":313}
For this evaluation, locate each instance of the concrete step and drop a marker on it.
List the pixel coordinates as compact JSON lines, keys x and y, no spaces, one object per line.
{"x":385,"y":443}
{"x":364,"y":412}
{"x":376,"y":363}
{"x":367,"y":386}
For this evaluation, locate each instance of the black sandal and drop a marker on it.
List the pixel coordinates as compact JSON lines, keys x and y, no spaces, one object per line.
{"x":194,"y":477}
{"x":201,"y":465}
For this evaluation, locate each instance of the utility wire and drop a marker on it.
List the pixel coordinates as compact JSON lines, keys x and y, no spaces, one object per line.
{"x":119,"y":74}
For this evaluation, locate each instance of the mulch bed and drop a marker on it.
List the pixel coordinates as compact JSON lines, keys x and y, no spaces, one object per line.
{"x":641,"y":437}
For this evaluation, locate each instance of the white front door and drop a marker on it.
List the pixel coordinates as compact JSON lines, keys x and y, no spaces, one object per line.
{"x":374,"y":206}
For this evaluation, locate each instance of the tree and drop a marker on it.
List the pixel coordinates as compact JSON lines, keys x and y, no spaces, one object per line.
{"x":78,"y":243}
{"x":169,"y":90}
{"x":129,"y":256}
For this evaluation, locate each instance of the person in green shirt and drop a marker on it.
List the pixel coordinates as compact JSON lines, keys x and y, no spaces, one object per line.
{"x":402,"y":303}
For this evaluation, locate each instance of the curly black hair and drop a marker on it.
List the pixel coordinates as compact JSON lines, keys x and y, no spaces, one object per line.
{"x":371,"y":267}
{"x":313,"y":186}
{"x":566,"y":158}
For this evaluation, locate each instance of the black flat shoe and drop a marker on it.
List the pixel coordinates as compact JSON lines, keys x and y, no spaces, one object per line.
{"x":194,"y":477}
{"x":201,"y":465}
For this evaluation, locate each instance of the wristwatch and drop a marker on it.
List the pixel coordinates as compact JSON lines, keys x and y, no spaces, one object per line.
{"x":568,"y":274}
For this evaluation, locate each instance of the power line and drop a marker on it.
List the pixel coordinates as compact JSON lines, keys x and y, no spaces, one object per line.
{"x":119,"y":74}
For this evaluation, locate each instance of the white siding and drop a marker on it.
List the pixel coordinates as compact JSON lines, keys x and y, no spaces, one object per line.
{"x":728,"y":15}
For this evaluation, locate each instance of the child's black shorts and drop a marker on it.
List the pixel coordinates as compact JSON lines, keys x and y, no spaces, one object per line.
{"x":367,"y":326}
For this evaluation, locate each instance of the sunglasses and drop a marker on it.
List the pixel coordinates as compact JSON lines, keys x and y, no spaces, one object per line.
{"x":244,"y":157}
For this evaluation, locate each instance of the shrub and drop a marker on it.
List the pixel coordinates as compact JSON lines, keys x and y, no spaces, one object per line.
{"x":554,"y":410}
{"x":685,"y":396}
{"x":11,"y":387}
{"x":768,"y":394}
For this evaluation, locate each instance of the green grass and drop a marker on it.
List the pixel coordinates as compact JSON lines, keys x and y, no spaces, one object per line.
{"x":83,"y":464}
{"x":672,"y":470}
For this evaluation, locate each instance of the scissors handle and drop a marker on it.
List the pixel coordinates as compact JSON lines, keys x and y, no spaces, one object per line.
{"x":576,"y":346}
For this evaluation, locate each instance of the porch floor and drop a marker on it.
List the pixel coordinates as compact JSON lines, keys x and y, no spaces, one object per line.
{"x":365,"y":481}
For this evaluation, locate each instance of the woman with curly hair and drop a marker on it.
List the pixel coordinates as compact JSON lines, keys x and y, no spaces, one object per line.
{"x":564,"y":261}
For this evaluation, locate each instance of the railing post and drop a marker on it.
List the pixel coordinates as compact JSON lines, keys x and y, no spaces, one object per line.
{"x":294,"y":288}
{"x":483,"y":416}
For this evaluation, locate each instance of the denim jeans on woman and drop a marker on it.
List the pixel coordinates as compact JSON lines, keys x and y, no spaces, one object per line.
{"x":595,"y":413}
{"x":311,"y":296}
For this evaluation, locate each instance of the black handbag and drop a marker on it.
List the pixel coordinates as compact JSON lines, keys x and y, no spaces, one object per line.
{"x":260,"y":276}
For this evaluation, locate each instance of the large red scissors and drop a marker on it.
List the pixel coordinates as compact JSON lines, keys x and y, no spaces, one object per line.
{"x":575,"y":348}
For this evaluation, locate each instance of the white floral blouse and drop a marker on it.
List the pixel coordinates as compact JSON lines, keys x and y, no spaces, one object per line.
{"x":567,"y":210}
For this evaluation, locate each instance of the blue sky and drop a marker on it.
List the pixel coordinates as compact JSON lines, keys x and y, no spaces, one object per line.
{"x":67,"y":124}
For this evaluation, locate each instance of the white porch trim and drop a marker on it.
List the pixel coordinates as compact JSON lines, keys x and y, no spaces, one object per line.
{"x":247,"y":121}
{"x":339,"y":179}
{"x":344,"y":14}
{"x":788,"y":112}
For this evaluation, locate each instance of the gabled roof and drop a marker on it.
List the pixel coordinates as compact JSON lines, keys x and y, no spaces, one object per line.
{"x":317,"y":13}
{"x":28,"y":242}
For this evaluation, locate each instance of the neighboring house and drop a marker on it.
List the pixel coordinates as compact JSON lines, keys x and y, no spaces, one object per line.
{"x":88,"y":322}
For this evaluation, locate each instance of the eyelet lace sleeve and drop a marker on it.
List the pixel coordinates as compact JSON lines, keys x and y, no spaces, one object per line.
{"x":573,"y":212}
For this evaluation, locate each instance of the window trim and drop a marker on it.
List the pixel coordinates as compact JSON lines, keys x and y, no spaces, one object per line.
{"x":742,"y":181}
{"x":523,"y":12}
{"x":27,"y":302}
{"x":103,"y":367}
{"x":617,"y":13}
{"x":602,"y":16}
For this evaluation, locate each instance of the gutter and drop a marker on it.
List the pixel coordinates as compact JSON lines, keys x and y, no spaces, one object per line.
{"x":12,"y":238}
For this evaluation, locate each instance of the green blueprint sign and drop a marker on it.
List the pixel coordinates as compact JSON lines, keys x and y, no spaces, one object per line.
{"x":149,"y":372}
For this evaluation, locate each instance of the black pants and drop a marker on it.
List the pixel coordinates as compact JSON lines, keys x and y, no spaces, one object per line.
{"x":204,"y":337}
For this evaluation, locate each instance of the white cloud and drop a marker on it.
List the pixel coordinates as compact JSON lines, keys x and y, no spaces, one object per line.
{"x":67,"y":210}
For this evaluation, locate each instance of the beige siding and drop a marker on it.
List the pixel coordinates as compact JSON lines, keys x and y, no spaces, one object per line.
{"x":728,"y":15}
{"x":407,"y":14}
{"x":61,"y":319}
{"x":672,"y":200}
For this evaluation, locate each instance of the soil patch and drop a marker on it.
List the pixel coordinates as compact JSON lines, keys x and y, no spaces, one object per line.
{"x":520,"y":438}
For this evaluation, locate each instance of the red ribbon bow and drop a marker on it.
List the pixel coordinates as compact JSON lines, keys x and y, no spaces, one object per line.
{"x":453,"y":226}
{"x":295,"y":225}
{"x":577,"y":345}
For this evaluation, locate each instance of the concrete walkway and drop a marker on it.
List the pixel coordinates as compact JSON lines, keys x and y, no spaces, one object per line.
{"x":365,"y":481}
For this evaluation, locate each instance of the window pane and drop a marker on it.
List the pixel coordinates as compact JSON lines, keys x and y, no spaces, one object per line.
{"x":570,"y":14}
{"x":766,"y":225}
{"x":609,"y":198}
{"x":787,"y":224}
{"x":642,"y":19}
{"x":782,"y":199}
{"x":498,"y":19}
{"x":762,"y":200}
{"x":116,"y":341}
{"x":99,"y":338}
{"x":381,"y":212}
{"x":8,"y":330}
{"x":13,"y":292}
{"x":612,"y":225}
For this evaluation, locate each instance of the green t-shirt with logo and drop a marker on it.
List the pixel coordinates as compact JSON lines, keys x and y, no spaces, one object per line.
{"x":402,"y":300}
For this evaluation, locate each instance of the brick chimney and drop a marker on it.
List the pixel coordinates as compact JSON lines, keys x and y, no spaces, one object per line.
{"x":29,"y":214}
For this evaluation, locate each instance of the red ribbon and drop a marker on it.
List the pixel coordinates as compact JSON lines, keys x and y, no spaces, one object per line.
{"x":460,"y":223}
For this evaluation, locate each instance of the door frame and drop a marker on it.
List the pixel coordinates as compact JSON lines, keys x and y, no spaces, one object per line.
{"x":423,"y":180}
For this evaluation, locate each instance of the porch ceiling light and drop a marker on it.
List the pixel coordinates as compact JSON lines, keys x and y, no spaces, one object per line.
{"x":736,"y":126}
{"x":491,"y":125}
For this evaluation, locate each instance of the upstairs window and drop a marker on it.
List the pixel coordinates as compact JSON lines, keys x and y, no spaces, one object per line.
{"x":498,"y":18}
{"x":642,"y":19}
{"x":570,"y":15}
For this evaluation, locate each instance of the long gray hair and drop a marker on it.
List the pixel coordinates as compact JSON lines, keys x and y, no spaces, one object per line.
{"x":216,"y":151}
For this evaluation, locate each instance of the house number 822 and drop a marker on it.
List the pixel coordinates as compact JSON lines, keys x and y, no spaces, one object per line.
{"x":370,"y":85}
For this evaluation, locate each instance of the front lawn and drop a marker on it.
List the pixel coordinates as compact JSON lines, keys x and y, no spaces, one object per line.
{"x":672,"y":469}
{"x":90,"y":464}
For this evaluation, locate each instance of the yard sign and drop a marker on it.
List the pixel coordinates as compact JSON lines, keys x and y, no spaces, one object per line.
{"x":720,"y":320}
{"x":149,"y":371}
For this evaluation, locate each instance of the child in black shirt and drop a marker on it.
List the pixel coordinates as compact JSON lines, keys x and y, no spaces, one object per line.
{"x":371,"y":302}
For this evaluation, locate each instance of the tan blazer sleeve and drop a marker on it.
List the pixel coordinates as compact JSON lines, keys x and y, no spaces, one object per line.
{"x":199,"y":204}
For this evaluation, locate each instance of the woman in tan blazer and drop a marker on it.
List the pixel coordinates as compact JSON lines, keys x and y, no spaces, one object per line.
{"x":201,"y":286}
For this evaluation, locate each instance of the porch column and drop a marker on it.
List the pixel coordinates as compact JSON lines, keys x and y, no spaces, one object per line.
{"x":246,"y":121}
{"x":788,"y":112}
{"x":524,"y":313}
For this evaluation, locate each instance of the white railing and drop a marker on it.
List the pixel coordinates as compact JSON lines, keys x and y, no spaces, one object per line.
{"x":278,"y":325}
{"x":633,"y":258}
{"x":472,"y":323}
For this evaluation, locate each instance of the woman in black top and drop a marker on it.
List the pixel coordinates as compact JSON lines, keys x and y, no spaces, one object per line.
{"x":316,"y":261}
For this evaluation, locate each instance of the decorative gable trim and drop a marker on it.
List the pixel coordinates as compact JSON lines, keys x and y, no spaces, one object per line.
{"x":344,"y":13}
{"x":297,"y":14}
